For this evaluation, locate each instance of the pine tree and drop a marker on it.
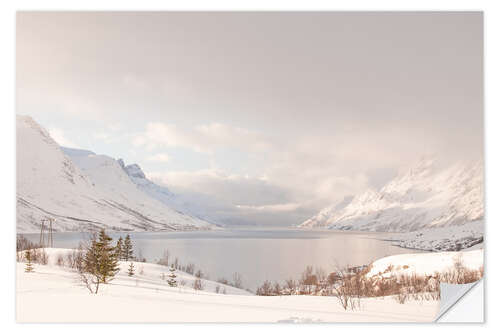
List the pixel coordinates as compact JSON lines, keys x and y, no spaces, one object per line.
{"x":131,"y":269}
{"x":119,"y":248}
{"x":128,"y":252}
{"x":171,"y":277}
{"x":29,"y":262}
{"x":100,"y":259}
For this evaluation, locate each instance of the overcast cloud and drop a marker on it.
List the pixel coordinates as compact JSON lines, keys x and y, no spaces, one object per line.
{"x":263,"y":117}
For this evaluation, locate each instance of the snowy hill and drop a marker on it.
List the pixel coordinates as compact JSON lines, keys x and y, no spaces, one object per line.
{"x":424,"y":197}
{"x":95,"y":192}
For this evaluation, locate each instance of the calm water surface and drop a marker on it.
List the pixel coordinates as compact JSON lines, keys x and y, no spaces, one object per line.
{"x":256,"y":253}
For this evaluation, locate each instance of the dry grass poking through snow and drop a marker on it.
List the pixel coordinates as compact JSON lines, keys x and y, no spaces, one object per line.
{"x":418,"y":280}
{"x":400,"y":285}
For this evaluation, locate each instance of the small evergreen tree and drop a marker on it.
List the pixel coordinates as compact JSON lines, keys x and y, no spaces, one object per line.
{"x":119,"y":248}
{"x":100,"y":259}
{"x":131,"y":269}
{"x":29,"y":262}
{"x":128,"y":252}
{"x":171,"y":277}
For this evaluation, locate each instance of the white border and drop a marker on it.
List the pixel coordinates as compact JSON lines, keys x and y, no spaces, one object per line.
{"x":7,"y":171}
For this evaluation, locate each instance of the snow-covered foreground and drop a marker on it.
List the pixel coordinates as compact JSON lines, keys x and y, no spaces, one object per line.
{"x":426,"y":263}
{"x":54,"y":294}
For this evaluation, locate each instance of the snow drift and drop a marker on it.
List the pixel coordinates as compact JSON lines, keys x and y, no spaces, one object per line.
{"x":425,"y":263}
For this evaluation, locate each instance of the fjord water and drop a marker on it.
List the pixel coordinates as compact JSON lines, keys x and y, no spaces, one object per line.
{"x":256,"y":253}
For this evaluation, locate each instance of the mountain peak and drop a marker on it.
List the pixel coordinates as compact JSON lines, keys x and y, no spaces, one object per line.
{"x":134,"y":170}
{"x":83,"y":191}
{"x":423,"y":197}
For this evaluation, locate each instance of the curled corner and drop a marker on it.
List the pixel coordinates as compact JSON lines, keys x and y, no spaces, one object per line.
{"x":451,"y":295}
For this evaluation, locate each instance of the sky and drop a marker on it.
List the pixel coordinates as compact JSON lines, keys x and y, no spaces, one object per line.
{"x":263,"y":117}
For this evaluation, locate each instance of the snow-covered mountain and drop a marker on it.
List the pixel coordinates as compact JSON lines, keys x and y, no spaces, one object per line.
{"x":84,"y":191}
{"x":181,"y":203}
{"x":84,"y":160}
{"x":426,"y":196}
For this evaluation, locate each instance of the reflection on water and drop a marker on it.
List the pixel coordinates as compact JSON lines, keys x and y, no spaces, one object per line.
{"x":256,"y":253}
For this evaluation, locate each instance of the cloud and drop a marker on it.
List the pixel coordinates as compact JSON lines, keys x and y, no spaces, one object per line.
{"x":229,"y":188}
{"x":205,"y":138}
{"x":291,"y":178}
{"x":114,"y":132}
{"x":286,"y":207}
{"x":159,"y":158}
{"x":307,"y":129}
{"x":103,"y":136}
{"x":134,"y":82}
{"x":235,"y":199}
{"x":59,"y":136}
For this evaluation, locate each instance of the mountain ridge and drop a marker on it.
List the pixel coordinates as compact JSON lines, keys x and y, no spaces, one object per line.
{"x":425,"y":196}
{"x":95,"y":194}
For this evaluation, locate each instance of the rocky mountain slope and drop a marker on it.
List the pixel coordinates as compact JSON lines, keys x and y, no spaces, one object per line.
{"x":84,"y":159}
{"x":96,"y":192}
{"x":426,"y":196}
{"x":186,"y":205}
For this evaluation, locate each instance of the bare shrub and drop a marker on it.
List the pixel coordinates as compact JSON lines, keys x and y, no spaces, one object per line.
{"x":60,"y":260}
{"x":265,"y":289}
{"x":22,"y":243}
{"x":349,"y":288}
{"x":74,"y":258}
{"x":322,"y":278}
{"x":223,"y":281}
{"x":308,"y":281}
{"x":164,"y":260}
{"x":40,"y":256}
{"x":217,"y":289}
{"x":277,"y":289}
{"x":401,"y":297}
{"x":290,"y":287}
{"x":140,"y":257}
{"x":190,"y":268}
{"x":90,"y":281}
{"x":237,"y":280}
{"x":350,"y":284}
{"x":198,"y":284}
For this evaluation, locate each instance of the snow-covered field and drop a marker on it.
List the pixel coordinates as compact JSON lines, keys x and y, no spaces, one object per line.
{"x":426,"y":263}
{"x":54,"y":294}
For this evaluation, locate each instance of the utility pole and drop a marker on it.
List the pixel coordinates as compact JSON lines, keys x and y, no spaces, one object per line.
{"x":50,"y":236}
{"x":50,"y":233}
{"x":41,"y":233}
